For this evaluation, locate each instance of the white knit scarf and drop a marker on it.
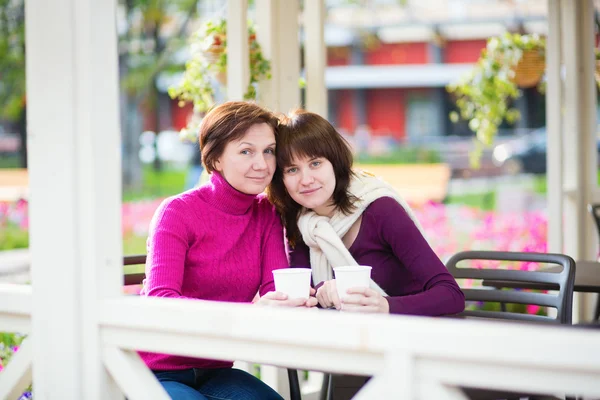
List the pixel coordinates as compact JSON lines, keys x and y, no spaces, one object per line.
{"x":323,"y":234}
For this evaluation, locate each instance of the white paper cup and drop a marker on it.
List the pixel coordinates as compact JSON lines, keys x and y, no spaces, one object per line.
{"x":295,"y":282}
{"x":353,"y":276}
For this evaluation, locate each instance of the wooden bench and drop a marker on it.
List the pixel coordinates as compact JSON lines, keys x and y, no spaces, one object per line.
{"x":417,"y":183}
{"x":14,"y":184}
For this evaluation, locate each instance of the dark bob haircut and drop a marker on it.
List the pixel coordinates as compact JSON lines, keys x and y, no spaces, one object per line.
{"x":226,"y":123}
{"x":305,"y":134}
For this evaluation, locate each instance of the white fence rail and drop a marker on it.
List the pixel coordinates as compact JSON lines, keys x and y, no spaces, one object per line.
{"x":410,"y":357}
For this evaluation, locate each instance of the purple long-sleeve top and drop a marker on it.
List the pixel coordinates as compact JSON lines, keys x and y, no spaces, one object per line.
{"x":403,"y":264}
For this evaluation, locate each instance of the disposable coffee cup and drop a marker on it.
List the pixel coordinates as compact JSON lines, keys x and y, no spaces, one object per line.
{"x":354,"y":276}
{"x":295,"y":282}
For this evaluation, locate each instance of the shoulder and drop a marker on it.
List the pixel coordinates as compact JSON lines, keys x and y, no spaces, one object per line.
{"x":182,"y":201}
{"x":265,"y":208}
{"x":387,"y":215}
{"x":176,"y":206}
{"x":385,"y":206}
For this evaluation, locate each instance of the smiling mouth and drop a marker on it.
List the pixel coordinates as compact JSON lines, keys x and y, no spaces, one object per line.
{"x":311,"y":191}
{"x":255,"y":178}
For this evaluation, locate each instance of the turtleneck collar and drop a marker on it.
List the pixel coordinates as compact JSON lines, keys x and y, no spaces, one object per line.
{"x":221,"y":195}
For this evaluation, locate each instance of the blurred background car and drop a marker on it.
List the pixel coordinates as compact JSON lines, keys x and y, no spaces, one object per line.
{"x":525,"y":154}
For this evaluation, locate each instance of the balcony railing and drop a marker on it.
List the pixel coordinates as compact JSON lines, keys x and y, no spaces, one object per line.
{"x":410,"y":357}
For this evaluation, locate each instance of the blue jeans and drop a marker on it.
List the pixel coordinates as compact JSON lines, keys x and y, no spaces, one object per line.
{"x":214,"y":384}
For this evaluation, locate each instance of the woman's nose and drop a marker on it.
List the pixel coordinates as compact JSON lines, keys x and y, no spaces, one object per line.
{"x":260,"y":162}
{"x":306,"y":178}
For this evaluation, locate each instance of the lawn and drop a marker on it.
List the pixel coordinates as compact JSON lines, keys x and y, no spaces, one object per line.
{"x":156,"y":184}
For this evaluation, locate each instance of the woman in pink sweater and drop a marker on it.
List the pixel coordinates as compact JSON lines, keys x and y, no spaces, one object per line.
{"x":220,"y":242}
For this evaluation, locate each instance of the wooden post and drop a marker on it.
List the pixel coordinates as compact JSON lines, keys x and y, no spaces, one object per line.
{"x":578,"y":128}
{"x":75,"y":175}
{"x":554,"y":120}
{"x":315,"y":56}
{"x":238,"y":66}
{"x":278,"y":27}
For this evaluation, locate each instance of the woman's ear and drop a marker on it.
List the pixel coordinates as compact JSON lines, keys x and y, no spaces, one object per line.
{"x":217,"y":165}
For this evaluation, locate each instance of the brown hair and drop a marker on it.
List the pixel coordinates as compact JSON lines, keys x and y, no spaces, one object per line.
{"x":306,"y":134}
{"x":226,"y":123}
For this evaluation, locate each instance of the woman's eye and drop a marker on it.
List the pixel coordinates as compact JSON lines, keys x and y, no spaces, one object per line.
{"x":316,"y":163}
{"x":270,"y":151}
{"x":245,"y":152}
{"x":291,"y":170}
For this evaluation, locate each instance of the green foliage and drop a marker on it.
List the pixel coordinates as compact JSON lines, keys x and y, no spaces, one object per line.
{"x":208,"y":61}
{"x":145,"y":47}
{"x":8,"y":341}
{"x":12,"y":59}
{"x":163,"y":183}
{"x":485,"y":201}
{"x":485,"y":95}
{"x":13,"y":237}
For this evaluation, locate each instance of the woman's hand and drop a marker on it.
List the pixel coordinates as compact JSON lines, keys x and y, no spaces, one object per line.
{"x":364,"y":300}
{"x":327,"y":295}
{"x":279,"y":299}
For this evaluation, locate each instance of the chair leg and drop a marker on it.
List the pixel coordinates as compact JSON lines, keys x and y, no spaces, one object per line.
{"x":326,"y":388}
{"x":295,"y":393}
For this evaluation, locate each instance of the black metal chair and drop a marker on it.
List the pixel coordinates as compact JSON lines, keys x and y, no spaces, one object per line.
{"x":491,"y":291}
{"x":594,"y":210}
{"x":564,"y":281}
{"x":138,"y":278}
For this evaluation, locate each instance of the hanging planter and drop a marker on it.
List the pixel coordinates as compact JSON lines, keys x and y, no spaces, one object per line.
{"x":485,"y":95}
{"x":208,"y":67}
{"x":530,"y":69}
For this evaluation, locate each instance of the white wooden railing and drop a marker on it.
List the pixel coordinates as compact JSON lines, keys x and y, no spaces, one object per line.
{"x":410,"y":357}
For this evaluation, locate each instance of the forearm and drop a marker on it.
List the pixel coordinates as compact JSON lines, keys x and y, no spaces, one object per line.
{"x":443,"y":299}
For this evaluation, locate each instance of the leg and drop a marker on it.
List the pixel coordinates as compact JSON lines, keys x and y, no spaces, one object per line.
{"x":181,"y":391}
{"x":234,"y":384}
{"x":179,"y":384}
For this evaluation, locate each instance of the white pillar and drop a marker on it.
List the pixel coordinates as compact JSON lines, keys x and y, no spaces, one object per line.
{"x":267,"y":35}
{"x":579,"y":127}
{"x":278,"y":27}
{"x":238,"y":66}
{"x":75,"y":172}
{"x":554,"y":120}
{"x":315,"y":56}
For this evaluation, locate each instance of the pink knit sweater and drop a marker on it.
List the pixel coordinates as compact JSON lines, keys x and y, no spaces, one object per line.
{"x":211,"y":243}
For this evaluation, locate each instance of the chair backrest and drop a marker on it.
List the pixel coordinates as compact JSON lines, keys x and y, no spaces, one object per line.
{"x":502,"y":278}
{"x":135,"y":278}
{"x":594,"y":209}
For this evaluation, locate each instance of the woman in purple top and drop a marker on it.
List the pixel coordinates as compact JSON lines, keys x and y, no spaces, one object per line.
{"x":220,"y":242}
{"x":334,"y":216}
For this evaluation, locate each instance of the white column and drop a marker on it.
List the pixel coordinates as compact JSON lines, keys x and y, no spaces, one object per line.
{"x":277,"y":22}
{"x":315,"y":56}
{"x":238,"y":65}
{"x":288,"y":68}
{"x":579,"y":125}
{"x":267,"y":35}
{"x":75,"y":172}
{"x":554,"y":119}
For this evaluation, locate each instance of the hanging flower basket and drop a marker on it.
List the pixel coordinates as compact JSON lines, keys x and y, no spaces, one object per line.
{"x":209,"y":64}
{"x":530,"y":69}
{"x":215,"y":54}
{"x":485,"y":96}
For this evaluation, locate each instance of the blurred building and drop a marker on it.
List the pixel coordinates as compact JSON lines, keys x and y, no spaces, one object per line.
{"x":389,"y":62}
